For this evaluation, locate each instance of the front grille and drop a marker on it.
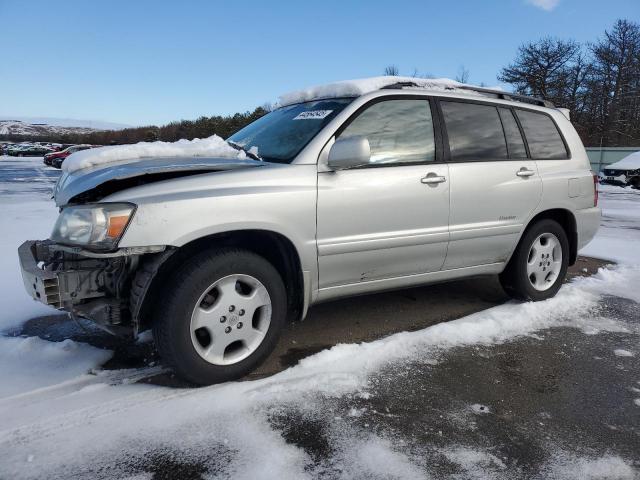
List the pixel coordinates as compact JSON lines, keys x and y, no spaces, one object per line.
{"x":614,"y":173}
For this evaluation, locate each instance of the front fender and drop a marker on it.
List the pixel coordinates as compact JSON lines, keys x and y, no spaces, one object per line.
{"x":177,"y":212}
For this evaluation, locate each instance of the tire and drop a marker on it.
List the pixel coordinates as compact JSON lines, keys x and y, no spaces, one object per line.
{"x":537,"y":273}
{"x":203,"y":310}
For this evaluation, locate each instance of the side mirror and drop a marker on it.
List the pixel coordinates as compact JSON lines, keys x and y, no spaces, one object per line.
{"x":349,"y":152}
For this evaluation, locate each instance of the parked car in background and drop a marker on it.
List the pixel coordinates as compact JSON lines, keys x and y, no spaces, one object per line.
{"x":31,"y":150}
{"x":55,"y":159}
{"x":625,"y":172}
{"x":335,"y":195}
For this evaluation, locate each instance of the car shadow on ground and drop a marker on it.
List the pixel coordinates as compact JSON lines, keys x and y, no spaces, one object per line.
{"x":358,"y":319}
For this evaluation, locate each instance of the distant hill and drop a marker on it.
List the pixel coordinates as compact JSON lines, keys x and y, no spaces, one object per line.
{"x":17,"y":127}
{"x":67,"y":122}
{"x":14,"y":130}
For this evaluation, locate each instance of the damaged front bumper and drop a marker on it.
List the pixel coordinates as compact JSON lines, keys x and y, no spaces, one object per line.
{"x":86,"y":284}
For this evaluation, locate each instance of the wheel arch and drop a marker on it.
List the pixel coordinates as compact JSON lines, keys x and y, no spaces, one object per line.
{"x":567,"y":221}
{"x":274,"y":247}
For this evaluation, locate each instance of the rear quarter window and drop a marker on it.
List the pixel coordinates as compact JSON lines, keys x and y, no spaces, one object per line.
{"x":543,"y":137}
{"x":515,"y":144}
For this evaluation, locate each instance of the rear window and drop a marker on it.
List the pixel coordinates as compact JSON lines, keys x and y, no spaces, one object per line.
{"x":543,"y":137}
{"x":474,"y":131}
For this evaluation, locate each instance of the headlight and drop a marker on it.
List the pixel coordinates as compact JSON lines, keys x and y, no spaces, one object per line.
{"x":97,"y":226}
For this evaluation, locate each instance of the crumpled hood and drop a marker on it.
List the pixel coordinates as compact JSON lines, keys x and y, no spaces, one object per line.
{"x":106,"y":179}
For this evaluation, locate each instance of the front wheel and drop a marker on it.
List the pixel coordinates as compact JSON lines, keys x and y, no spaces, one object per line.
{"x":221,"y":316}
{"x":539,"y":264}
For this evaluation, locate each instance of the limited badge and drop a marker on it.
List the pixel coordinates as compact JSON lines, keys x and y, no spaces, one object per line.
{"x":313,"y":115}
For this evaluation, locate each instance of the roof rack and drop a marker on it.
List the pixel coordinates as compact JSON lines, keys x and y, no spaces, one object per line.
{"x":485,"y":91}
{"x":509,"y":96}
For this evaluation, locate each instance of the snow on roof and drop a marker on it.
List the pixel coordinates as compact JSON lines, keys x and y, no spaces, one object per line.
{"x":630,"y":162}
{"x":358,"y":87}
{"x":213,"y":146}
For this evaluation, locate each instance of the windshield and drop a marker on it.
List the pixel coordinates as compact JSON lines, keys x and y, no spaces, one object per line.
{"x":280,"y":135}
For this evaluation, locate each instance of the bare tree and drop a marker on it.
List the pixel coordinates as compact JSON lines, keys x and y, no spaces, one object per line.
{"x":541,"y":68}
{"x":463,"y":74}
{"x":614,"y":80}
{"x":599,"y":82}
{"x":391,"y":70}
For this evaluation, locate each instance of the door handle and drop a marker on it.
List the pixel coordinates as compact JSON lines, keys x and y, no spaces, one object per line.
{"x":432,"y":179}
{"x":525,"y":172}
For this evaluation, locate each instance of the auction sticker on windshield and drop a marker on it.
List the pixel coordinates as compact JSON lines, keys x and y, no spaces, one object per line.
{"x":313,"y":115}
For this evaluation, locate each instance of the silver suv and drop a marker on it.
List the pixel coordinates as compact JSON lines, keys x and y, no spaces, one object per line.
{"x":338,"y":195}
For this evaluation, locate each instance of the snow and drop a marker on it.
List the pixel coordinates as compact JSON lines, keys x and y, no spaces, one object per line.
{"x":32,"y":363}
{"x":630,"y":162}
{"x":622,"y":353}
{"x":213,"y":146}
{"x":620,"y":213}
{"x":25,"y":215}
{"x":480,"y":409}
{"x":610,"y":467}
{"x":475,"y":463}
{"x":61,"y":413}
{"x":358,"y":87}
{"x":159,"y":418}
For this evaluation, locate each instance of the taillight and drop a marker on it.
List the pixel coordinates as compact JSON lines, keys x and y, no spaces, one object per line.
{"x":595,"y":190}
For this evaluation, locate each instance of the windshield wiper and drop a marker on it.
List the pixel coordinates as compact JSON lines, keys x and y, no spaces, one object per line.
{"x":240,"y":147}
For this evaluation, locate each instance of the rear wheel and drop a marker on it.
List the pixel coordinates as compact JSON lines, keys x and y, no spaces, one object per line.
{"x":221,"y":316}
{"x":539,"y":264}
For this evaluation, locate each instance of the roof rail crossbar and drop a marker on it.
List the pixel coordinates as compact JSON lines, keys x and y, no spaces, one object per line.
{"x":486,"y":91}
{"x":509,"y":96}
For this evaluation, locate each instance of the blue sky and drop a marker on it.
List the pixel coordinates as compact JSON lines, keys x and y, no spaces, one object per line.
{"x":142,"y":62}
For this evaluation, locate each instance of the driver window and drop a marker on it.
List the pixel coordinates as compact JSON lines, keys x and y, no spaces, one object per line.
{"x":399,"y":131}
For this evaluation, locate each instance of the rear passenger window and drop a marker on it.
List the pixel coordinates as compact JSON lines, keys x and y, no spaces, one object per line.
{"x":543,"y":138}
{"x":515,"y":144}
{"x":474,"y":131}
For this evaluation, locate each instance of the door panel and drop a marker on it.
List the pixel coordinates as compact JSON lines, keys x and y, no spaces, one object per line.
{"x":494,"y":187}
{"x":376,"y":223}
{"x":489,"y":204}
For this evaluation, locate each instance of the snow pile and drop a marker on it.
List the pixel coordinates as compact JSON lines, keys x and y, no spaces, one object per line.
{"x":24,"y":217}
{"x":630,"y":162}
{"x":213,"y":146}
{"x":32,"y":363}
{"x":358,"y":87}
{"x":620,"y":213}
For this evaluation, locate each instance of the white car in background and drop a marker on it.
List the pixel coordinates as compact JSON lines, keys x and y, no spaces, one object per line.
{"x":624,"y":172}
